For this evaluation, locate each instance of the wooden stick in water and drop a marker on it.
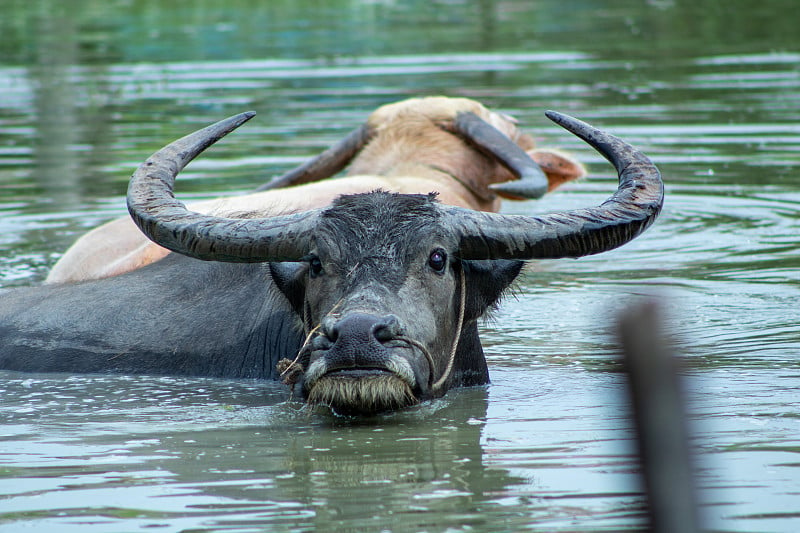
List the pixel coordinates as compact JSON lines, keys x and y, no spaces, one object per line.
{"x":659,"y":412}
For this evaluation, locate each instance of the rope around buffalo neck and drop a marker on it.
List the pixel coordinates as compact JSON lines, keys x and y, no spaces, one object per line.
{"x":462,"y":305}
{"x":451,"y":359}
{"x":291,"y":370}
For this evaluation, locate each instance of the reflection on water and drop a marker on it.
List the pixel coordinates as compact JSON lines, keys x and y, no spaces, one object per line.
{"x":218,"y":448}
{"x":711,"y":94}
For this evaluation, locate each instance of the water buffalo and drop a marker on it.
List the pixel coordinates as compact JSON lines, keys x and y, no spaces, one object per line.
{"x":370,"y":304}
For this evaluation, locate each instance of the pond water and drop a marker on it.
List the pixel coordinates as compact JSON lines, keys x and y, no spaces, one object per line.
{"x":711,"y":91}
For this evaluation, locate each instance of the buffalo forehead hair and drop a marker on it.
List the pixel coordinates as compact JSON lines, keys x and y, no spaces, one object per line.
{"x":380,"y":222}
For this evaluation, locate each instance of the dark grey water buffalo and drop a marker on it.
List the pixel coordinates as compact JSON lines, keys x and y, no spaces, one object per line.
{"x":369,"y":304}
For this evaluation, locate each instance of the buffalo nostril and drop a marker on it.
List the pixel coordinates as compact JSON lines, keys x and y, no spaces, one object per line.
{"x":383,"y":334}
{"x":321,"y":342}
{"x":386,"y":329}
{"x":329,"y":327}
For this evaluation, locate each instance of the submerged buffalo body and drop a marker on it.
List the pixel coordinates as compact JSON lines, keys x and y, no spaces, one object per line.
{"x":369,"y":304}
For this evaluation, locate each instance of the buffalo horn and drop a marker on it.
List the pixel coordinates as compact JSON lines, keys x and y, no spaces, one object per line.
{"x":167,"y":222}
{"x":532,"y":182}
{"x":326,"y":164}
{"x":626,"y":214}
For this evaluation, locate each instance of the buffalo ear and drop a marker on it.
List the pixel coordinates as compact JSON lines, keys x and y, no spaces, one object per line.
{"x":557,"y":166}
{"x":290,"y":279}
{"x":486,"y":282}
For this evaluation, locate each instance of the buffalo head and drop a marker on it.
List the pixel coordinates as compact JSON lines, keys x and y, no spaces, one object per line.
{"x":389,"y":287}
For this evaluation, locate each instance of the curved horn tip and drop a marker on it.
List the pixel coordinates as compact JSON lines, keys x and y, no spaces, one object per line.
{"x":525,"y":188}
{"x":227,"y":125}
{"x":193,"y":144}
{"x":618,"y":152}
{"x":590,"y":134}
{"x":532,"y":182}
{"x":568,"y":122}
{"x":241,"y":118}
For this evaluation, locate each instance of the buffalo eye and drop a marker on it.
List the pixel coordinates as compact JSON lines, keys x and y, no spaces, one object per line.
{"x":438,"y":260}
{"x":315,"y":266}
